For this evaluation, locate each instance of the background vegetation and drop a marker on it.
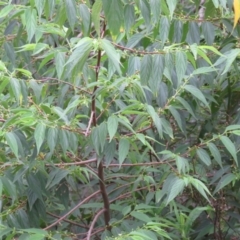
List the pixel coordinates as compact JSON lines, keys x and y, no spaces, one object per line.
{"x":119,"y":119}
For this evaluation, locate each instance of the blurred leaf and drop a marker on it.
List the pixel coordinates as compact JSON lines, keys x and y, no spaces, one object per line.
{"x":112,"y":125}
{"x":12,"y":142}
{"x":230,"y":147}
{"x":123,"y":149}
{"x":196,"y":93}
{"x":71,"y":12}
{"x":96,"y":10}
{"x":80,"y":53}
{"x":203,"y":155}
{"x":215,"y":152}
{"x":111,"y":53}
{"x":225,"y":180}
{"x":39,"y":135}
{"x":140,"y":216}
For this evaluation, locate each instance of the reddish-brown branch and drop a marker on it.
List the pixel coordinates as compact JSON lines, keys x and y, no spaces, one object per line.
{"x":93,"y":223}
{"x":89,"y":124}
{"x":68,"y":221}
{"x":94,"y":123}
{"x":72,"y":210}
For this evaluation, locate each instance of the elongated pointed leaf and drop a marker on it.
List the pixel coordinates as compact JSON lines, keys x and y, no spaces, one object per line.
{"x":71,"y":12}
{"x":114,"y":14}
{"x":80,"y":54}
{"x":123,"y":149}
{"x":140,"y":216}
{"x":181,"y":65}
{"x":156,"y":119}
{"x":39,"y":135}
{"x":12,"y":142}
{"x":230,"y":147}
{"x":176,"y":187}
{"x":96,"y":10}
{"x":203,"y":155}
{"x":112,"y":125}
{"x":215,"y":152}
{"x":225,"y":180}
{"x":112,"y":54}
{"x":196,"y":93}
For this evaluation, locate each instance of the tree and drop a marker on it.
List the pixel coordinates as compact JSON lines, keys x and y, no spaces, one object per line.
{"x":119,"y":119}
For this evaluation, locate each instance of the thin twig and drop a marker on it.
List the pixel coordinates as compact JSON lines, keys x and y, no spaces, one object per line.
{"x":89,"y":123}
{"x":93,"y":223}
{"x":68,"y":221}
{"x":72,"y":210}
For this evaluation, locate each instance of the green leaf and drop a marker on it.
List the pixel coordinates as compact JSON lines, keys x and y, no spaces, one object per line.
{"x":6,"y":10}
{"x":114,"y":14}
{"x":12,"y":142}
{"x":111,"y":53}
{"x":201,"y":188}
{"x":196,"y":93}
{"x":230,"y":147}
{"x":141,"y":216}
{"x":16,"y":88}
{"x":182,"y":164}
{"x":112,"y":125}
{"x":5,"y":231}
{"x":36,"y":231}
{"x":102,"y":134}
{"x":52,"y":138}
{"x":194,"y":214}
{"x":232,"y":127}
{"x":31,"y":22}
{"x":171,"y":5}
{"x":36,"y":237}
{"x":1,"y":188}
{"x":39,"y":135}
{"x":193,"y":33}
{"x":203,"y":155}
{"x":146,"y":69}
{"x":208,"y":30}
{"x":123,"y":149}
{"x":167,"y":127}
{"x":225,"y":180}
{"x":176,"y":186}
{"x":215,"y":152}
{"x":155,"y":6}
{"x":86,"y":19}
{"x":63,"y":139}
{"x":216,"y":3}
{"x":164,"y":28}
{"x":134,"y":40}
{"x":109,"y":151}
{"x":96,"y":10}
{"x":129,"y":16}
{"x":231,"y":56}
{"x":186,"y":105}
{"x":40,"y":6}
{"x":71,"y":12}
{"x":204,"y":70}
{"x":59,"y":63}
{"x":145,"y":10}
{"x":55,"y":177}
{"x":181,"y":65}
{"x":156,"y":119}
{"x":177,"y":117}
{"x":80,"y":54}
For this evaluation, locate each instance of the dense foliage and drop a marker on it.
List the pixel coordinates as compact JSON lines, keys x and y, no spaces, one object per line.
{"x":119,"y":119}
